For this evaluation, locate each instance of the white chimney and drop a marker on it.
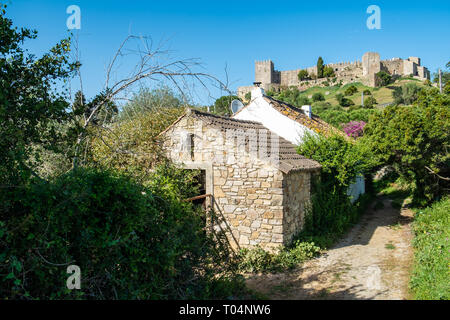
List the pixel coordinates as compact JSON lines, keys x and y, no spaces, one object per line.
{"x":257,"y":92}
{"x":307,"y":110}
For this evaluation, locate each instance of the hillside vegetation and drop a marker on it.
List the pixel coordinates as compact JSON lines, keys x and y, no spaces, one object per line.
{"x":431,"y":275}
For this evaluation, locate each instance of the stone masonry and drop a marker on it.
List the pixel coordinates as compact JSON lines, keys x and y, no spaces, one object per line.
{"x":347,"y":72}
{"x":262,"y":200}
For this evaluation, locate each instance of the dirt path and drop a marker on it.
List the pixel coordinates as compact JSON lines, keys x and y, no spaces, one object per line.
{"x":372,"y":262}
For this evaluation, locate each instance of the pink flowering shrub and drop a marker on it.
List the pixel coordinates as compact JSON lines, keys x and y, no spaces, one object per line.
{"x":354,"y":129}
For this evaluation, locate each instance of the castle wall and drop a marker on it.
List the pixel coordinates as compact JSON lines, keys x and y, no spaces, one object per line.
{"x":393,"y":66}
{"x":346,"y":72}
{"x":290,"y":77}
{"x":409,"y":68}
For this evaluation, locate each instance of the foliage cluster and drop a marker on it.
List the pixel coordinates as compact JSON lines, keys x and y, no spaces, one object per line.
{"x":354,"y":129}
{"x":407,"y":94}
{"x":130,"y":241}
{"x":430,"y":277}
{"x":415,"y":141}
{"x":351,"y":90}
{"x":259,"y":260}
{"x":331,"y":211}
{"x":382,"y":79}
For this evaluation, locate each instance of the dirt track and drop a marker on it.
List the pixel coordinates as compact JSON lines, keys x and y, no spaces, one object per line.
{"x":372,"y":262}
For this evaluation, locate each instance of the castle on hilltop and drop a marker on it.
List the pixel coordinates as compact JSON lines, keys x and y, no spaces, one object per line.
{"x":345,"y":72}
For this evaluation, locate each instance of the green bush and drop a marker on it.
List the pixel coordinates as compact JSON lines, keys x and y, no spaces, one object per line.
{"x":331,"y":212}
{"x":328,"y":72}
{"x":344,"y":102}
{"x":259,"y":260}
{"x":303,"y":75}
{"x":414,"y":140}
{"x":130,"y":241}
{"x":383,"y":78}
{"x":369,"y":102}
{"x":367,"y":92}
{"x":318,"y":97}
{"x":350,"y":90}
{"x":406,"y":94}
{"x":431,"y":274}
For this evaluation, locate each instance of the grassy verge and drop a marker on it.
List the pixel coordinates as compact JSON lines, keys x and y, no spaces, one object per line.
{"x":431,"y":273}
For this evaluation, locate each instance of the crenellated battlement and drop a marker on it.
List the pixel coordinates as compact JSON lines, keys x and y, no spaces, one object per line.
{"x":363,"y":70}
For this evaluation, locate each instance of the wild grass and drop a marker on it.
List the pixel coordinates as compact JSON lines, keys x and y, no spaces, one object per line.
{"x":431,"y":272}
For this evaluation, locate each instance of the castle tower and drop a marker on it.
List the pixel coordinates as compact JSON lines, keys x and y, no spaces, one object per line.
{"x":371,"y":65}
{"x":416,"y":60}
{"x":264,"y":71}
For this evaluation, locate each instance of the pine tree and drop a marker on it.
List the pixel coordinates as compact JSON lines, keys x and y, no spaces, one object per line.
{"x":320,"y":67}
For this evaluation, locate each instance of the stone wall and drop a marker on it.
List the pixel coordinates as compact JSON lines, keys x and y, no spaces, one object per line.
{"x":264,"y":71}
{"x":346,"y":72}
{"x":259,"y":204}
{"x":393,"y":67}
{"x":297,"y":193}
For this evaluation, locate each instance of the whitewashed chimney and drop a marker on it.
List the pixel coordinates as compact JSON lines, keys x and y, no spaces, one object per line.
{"x":257,"y":92}
{"x":307,"y":110}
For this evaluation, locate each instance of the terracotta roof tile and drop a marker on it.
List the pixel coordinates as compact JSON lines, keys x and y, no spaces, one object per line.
{"x":289,"y":159}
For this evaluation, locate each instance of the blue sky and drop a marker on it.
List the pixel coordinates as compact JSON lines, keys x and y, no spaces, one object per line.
{"x":236,"y":33}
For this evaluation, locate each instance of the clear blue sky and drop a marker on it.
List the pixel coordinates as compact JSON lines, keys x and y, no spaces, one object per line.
{"x":236,"y":33}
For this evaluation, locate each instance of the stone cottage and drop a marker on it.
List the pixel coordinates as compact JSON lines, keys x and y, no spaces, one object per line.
{"x":292,"y":124}
{"x":257,"y":181}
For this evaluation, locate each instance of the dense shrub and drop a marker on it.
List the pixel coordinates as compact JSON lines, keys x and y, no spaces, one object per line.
{"x":331,"y":211}
{"x":414,"y":140}
{"x":406,"y":94}
{"x":335,"y":117}
{"x":344,"y":102}
{"x":222,"y":106}
{"x":383,"y":78}
{"x":369,"y":102}
{"x":328,"y":72}
{"x":351,"y":90}
{"x":430,"y":278}
{"x":354,"y":129}
{"x":130,"y":242}
{"x":259,"y":260}
{"x":303,"y":75}
{"x":318,"y":97}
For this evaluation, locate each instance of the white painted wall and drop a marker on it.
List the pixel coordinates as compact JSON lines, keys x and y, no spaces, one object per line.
{"x":261,"y":111}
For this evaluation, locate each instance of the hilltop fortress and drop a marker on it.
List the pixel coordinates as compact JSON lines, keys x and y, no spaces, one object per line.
{"x":345,"y":72}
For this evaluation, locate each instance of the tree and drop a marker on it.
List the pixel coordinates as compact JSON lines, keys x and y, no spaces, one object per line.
{"x":351,"y":90}
{"x":318,"y":97}
{"x":344,"y":102}
{"x":406,"y":94}
{"x":328,"y":72}
{"x":320,"y":67}
{"x":369,"y":102}
{"x":383,"y":78}
{"x":222,"y":106}
{"x":303,"y":75}
{"x":31,"y":106}
{"x":150,"y":100}
{"x":415,"y":140}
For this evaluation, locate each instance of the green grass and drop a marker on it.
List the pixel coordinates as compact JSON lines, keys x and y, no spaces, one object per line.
{"x":431,"y":272}
{"x":383,"y":95}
